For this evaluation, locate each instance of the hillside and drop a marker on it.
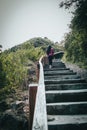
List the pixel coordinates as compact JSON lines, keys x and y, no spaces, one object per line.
{"x":17,"y":71}
{"x":19,"y":62}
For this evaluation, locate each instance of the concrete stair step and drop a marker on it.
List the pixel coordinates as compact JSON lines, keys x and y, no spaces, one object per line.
{"x":65,"y":72}
{"x":58,"y":64}
{"x":57,"y":61}
{"x":71,"y":122}
{"x":66,"y":96}
{"x":64,"y":81}
{"x":56,"y":69}
{"x":62,"y":66}
{"x":67,"y":108}
{"x":70,"y":76}
{"x":73,"y":86}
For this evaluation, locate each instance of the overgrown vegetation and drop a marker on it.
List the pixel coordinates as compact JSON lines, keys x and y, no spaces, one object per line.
{"x":16,"y":62}
{"x":76,"y":39}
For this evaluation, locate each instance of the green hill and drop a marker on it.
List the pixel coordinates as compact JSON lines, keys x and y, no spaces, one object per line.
{"x":18,"y":64}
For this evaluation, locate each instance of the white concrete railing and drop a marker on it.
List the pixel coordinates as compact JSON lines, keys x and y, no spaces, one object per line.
{"x":40,"y":115}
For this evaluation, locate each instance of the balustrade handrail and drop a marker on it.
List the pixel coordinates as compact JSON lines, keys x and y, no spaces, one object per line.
{"x":40,"y":115}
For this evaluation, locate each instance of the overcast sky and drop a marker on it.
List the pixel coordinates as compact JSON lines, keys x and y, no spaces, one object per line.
{"x":21,"y":20}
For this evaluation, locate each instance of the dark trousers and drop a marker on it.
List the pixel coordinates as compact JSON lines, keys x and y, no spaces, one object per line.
{"x":50,"y":59}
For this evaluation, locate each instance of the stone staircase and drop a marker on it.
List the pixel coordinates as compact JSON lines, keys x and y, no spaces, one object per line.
{"x":66,"y":98}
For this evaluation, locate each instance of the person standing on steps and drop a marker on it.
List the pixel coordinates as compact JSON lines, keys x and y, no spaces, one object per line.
{"x":50,"y":53}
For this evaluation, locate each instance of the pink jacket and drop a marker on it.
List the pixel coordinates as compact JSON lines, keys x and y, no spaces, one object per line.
{"x":51,"y":53}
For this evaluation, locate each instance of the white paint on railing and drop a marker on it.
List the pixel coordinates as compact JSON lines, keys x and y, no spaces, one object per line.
{"x":40,"y":115}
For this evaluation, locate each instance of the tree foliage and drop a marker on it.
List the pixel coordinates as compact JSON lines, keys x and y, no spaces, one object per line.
{"x":68,"y":3}
{"x":76,"y":40}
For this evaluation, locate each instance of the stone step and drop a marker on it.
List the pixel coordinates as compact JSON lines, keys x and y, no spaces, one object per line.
{"x":58,"y":66}
{"x":64,"y":81}
{"x":66,"y":96}
{"x":71,"y":122}
{"x":70,"y":108}
{"x":68,"y":76}
{"x":56,"y":69}
{"x":63,"y":72}
{"x":73,"y":86}
{"x":58,"y":63}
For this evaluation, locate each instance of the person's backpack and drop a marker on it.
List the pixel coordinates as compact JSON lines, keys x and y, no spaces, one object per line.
{"x":51,"y":53}
{"x":48,"y":50}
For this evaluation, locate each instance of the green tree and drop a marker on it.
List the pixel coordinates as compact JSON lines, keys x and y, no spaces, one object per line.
{"x":2,"y":75}
{"x":76,"y":40}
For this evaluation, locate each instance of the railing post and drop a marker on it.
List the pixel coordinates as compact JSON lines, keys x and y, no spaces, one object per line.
{"x":32,"y":99}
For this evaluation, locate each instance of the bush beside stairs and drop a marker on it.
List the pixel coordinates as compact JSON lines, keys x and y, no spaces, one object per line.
{"x":66,"y":98}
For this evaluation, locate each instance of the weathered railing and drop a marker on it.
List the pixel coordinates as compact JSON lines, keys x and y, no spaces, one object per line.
{"x":40,"y":115}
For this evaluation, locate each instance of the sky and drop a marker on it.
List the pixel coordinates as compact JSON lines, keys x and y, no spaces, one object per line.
{"x":21,"y":20}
